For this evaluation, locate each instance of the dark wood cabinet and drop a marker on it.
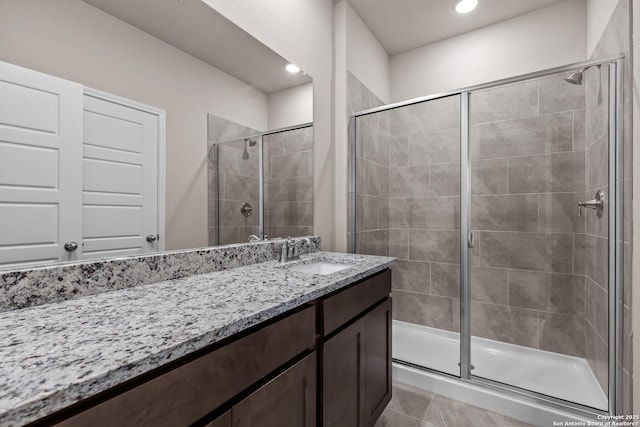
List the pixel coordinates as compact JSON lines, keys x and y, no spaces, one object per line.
{"x":222,"y":421}
{"x":343,"y":379}
{"x":377,"y":366}
{"x":356,"y":361}
{"x":327,"y":363}
{"x":288,"y":400}
{"x":188,"y":392}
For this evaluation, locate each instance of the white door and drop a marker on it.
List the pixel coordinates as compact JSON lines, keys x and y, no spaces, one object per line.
{"x":40,"y":167}
{"x":120,"y":178}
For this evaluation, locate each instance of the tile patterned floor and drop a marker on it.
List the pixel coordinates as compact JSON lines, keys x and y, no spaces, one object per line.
{"x":412,"y":407}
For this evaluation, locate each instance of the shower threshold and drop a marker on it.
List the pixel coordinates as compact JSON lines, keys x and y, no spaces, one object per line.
{"x":564,"y":377}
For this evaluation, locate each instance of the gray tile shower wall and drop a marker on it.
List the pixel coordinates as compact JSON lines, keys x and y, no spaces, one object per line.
{"x":37,"y":286}
{"x":289,"y":183}
{"x":615,"y":39}
{"x":235,"y":178}
{"x":373,"y":155}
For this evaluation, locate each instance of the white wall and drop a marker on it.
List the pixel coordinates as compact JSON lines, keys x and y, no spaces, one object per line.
{"x":598,"y":14}
{"x":292,"y":106}
{"x":75,"y":41}
{"x":541,"y":39}
{"x":302,"y":32}
{"x":366,"y":58}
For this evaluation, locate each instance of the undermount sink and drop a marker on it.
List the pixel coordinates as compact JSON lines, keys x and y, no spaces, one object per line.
{"x":321,"y":267}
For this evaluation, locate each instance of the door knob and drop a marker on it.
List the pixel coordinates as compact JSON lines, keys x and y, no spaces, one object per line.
{"x":70,"y":246}
{"x":152,"y":238}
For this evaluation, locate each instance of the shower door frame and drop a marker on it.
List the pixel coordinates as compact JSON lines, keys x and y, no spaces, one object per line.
{"x":615,"y":233}
{"x":261,"y":178}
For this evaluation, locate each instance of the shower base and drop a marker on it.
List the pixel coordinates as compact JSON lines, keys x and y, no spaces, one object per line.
{"x":557,"y":375}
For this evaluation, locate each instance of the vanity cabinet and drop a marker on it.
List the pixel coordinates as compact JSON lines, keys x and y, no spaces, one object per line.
{"x":287,"y":400}
{"x":189,"y":392}
{"x":327,"y":364}
{"x":356,"y":359}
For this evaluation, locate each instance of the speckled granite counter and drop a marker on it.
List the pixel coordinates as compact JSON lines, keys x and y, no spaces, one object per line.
{"x":56,"y":354}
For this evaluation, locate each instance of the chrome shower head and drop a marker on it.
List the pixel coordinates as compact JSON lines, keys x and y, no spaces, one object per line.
{"x":575,"y":78}
{"x":252,"y":142}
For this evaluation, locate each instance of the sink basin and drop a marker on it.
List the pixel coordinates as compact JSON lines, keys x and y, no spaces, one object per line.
{"x":321,"y":267}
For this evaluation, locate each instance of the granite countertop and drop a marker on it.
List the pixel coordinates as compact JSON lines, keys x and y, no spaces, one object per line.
{"x":57,"y":354}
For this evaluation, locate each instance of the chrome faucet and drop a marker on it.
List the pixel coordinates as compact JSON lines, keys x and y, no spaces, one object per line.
{"x":289,"y":250}
{"x":597,"y":204}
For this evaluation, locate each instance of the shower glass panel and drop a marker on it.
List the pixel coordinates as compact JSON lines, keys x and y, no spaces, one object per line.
{"x":236,"y":189}
{"x":539,"y":299}
{"x":407,"y":203}
{"x":288,"y":183}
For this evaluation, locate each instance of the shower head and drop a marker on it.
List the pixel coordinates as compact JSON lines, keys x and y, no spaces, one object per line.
{"x":252,"y":142}
{"x":575,"y":78}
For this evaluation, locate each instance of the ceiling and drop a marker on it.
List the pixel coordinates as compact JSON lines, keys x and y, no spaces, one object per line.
{"x":195,"y":28}
{"x":401,"y":25}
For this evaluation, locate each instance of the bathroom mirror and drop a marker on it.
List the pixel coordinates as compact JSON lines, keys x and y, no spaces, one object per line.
{"x":111,"y":111}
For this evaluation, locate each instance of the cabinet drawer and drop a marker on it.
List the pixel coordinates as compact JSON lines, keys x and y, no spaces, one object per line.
{"x":187,"y":393}
{"x":349,"y":303}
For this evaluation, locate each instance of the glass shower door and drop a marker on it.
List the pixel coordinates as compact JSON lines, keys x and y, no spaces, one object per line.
{"x":236,"y":189}
{"x":408,"y":206}
{"x":539,"y":283}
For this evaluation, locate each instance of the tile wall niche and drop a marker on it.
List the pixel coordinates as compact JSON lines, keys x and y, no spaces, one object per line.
{"x":288,"y":183}
{"x":234,"y":177}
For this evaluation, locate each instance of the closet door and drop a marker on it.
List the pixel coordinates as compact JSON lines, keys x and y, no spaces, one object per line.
{"x":120,"y":178}
{"x":40,"y":167}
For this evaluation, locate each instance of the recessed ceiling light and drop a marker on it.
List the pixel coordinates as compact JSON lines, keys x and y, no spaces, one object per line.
{"x":465,"y":6}
{"x":292,"y":68}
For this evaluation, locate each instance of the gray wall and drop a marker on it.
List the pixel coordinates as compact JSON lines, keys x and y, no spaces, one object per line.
{"x":289,"y":183}
{"x":372,"y":164}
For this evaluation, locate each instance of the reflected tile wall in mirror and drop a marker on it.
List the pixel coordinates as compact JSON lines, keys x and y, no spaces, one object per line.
{"x":288,"y":184}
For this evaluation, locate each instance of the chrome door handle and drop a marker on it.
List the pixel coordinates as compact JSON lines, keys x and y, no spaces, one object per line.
{"x":472,"y":240}
{"x":70,"y":246}
{"x":597,"y":204}
{"x":152,"y":238}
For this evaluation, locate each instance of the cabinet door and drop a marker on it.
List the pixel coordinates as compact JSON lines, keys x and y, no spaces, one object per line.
{"x":377,"y":361}
{"x":343,"y":382}
{"x":288,"y":400}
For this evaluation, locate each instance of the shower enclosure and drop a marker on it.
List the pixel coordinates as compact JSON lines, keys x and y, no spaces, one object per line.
{"x":262,"y":185}
{"x":502,"y":204}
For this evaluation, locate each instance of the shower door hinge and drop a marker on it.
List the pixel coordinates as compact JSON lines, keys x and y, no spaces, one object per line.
{"x":472,"y":240}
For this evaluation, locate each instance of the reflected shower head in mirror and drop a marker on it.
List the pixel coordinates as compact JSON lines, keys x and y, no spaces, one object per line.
{"x":245,"y":153}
